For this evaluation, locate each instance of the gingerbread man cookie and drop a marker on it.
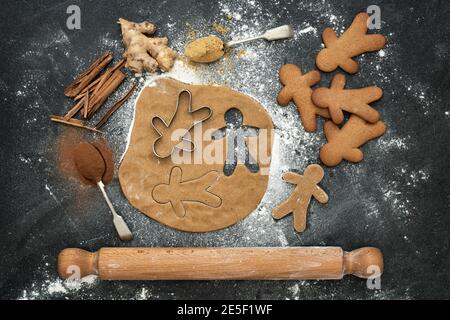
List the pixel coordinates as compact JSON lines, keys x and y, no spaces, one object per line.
{"x":339,"y":51}
{"x":297,"y":87}
{"x":337,"y":99}
{"x":343,"y":144}
{"x":299,"y":200}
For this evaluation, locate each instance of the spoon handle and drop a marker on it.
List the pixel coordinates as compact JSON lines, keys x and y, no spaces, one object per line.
{"x":233,"y":43}
{"x":120,"y":224}
{"x":278,"y":33}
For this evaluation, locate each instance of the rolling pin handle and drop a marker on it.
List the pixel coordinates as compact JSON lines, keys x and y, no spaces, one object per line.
{"x":364,"y":262}
{"x":77,"y":263}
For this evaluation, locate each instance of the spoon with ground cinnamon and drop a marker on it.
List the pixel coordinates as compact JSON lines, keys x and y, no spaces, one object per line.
{"x":93,"y":165}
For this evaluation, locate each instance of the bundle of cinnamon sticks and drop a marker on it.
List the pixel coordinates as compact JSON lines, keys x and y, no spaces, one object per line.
{"x":91,"y":90}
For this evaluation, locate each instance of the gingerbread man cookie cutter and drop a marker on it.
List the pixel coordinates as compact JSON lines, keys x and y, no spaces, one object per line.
{"x":162,"y":128}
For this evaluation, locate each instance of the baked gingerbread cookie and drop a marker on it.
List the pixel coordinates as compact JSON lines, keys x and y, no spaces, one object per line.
{"x":297,"y":88}
{"x":298,"y":201}
{"x":336,"y":99}
{"x":339,"y":51}
{"x":344,"y":144}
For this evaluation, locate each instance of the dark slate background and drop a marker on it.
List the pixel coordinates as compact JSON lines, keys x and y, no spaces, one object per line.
{"x":36,"y":223}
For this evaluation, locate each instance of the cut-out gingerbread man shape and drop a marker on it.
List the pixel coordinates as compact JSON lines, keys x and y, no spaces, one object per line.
{"x":353,"y":42}
{"x":178,"y":191}
{"x":298,"y":201}
{"x":173,"y":134}
{"x":237,"y":150}
{"x":343,"y":144}
{"x":337,"y":99}
{"x":297,"y":87}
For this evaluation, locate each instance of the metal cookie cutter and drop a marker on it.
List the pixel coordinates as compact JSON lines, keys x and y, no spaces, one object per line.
{"x":167,"y":125}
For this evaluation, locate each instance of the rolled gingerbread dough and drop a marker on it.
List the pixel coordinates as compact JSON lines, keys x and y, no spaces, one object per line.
{"x":196,"y":196}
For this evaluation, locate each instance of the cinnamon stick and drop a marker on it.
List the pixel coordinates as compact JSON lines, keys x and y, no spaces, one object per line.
{"x":116,"y":106}
{"x":91,"y":94}
{"x":119,"y":65}
{"x":102,"y":81}
{"x":86,"y":78}
{"x":95,"y":84}
{"x":73,"y":111}
{"x":86,"y":105}
{"x":107,"y":74}
{"x":72,"y":122}
{"x":113,"y":82}
{"x":89,"y":88}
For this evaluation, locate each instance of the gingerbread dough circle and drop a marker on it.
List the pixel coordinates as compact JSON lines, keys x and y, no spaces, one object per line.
{"x":195,"y":195}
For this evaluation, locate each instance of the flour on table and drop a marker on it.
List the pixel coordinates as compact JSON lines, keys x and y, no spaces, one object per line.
{"x":416,"y":177}
{"x":143,"y":294}
{"x":54,"y":287}
{"x":308,"y":29}
{"x":387,"y":143}
{"x":24,"y":159}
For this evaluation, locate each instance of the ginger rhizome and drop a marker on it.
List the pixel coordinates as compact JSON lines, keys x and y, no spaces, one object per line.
{"x":143,"y":53}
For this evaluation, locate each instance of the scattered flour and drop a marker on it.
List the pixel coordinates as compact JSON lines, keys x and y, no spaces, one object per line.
{"x":50,"y":192}
{"x":54,"y":287}
{"x":283,"y":240}
{"x":396,"y":195}
{"x":25,"y":160}
{"x":387,"y":143}
{"x":416,"y":177}
{"x":143,"y":294}
{"x":308,"y":30}
{"x":295,"y":289}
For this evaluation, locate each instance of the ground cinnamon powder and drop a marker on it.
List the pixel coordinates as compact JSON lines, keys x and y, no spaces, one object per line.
{"x":83,"y":158}
{"x":89,"y":162}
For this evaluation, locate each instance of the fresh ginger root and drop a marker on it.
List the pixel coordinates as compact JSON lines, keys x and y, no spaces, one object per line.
{"x":143,"y":53}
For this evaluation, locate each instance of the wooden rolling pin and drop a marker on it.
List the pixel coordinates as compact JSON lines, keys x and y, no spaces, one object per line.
{"x":302,"y":263}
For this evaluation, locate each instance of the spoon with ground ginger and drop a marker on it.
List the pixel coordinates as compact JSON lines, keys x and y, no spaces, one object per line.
{"x":211,"y":48}
{"x":92,"y":165}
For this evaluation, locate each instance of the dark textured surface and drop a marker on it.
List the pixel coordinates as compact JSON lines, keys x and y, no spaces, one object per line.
{"x":407,"y":186}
